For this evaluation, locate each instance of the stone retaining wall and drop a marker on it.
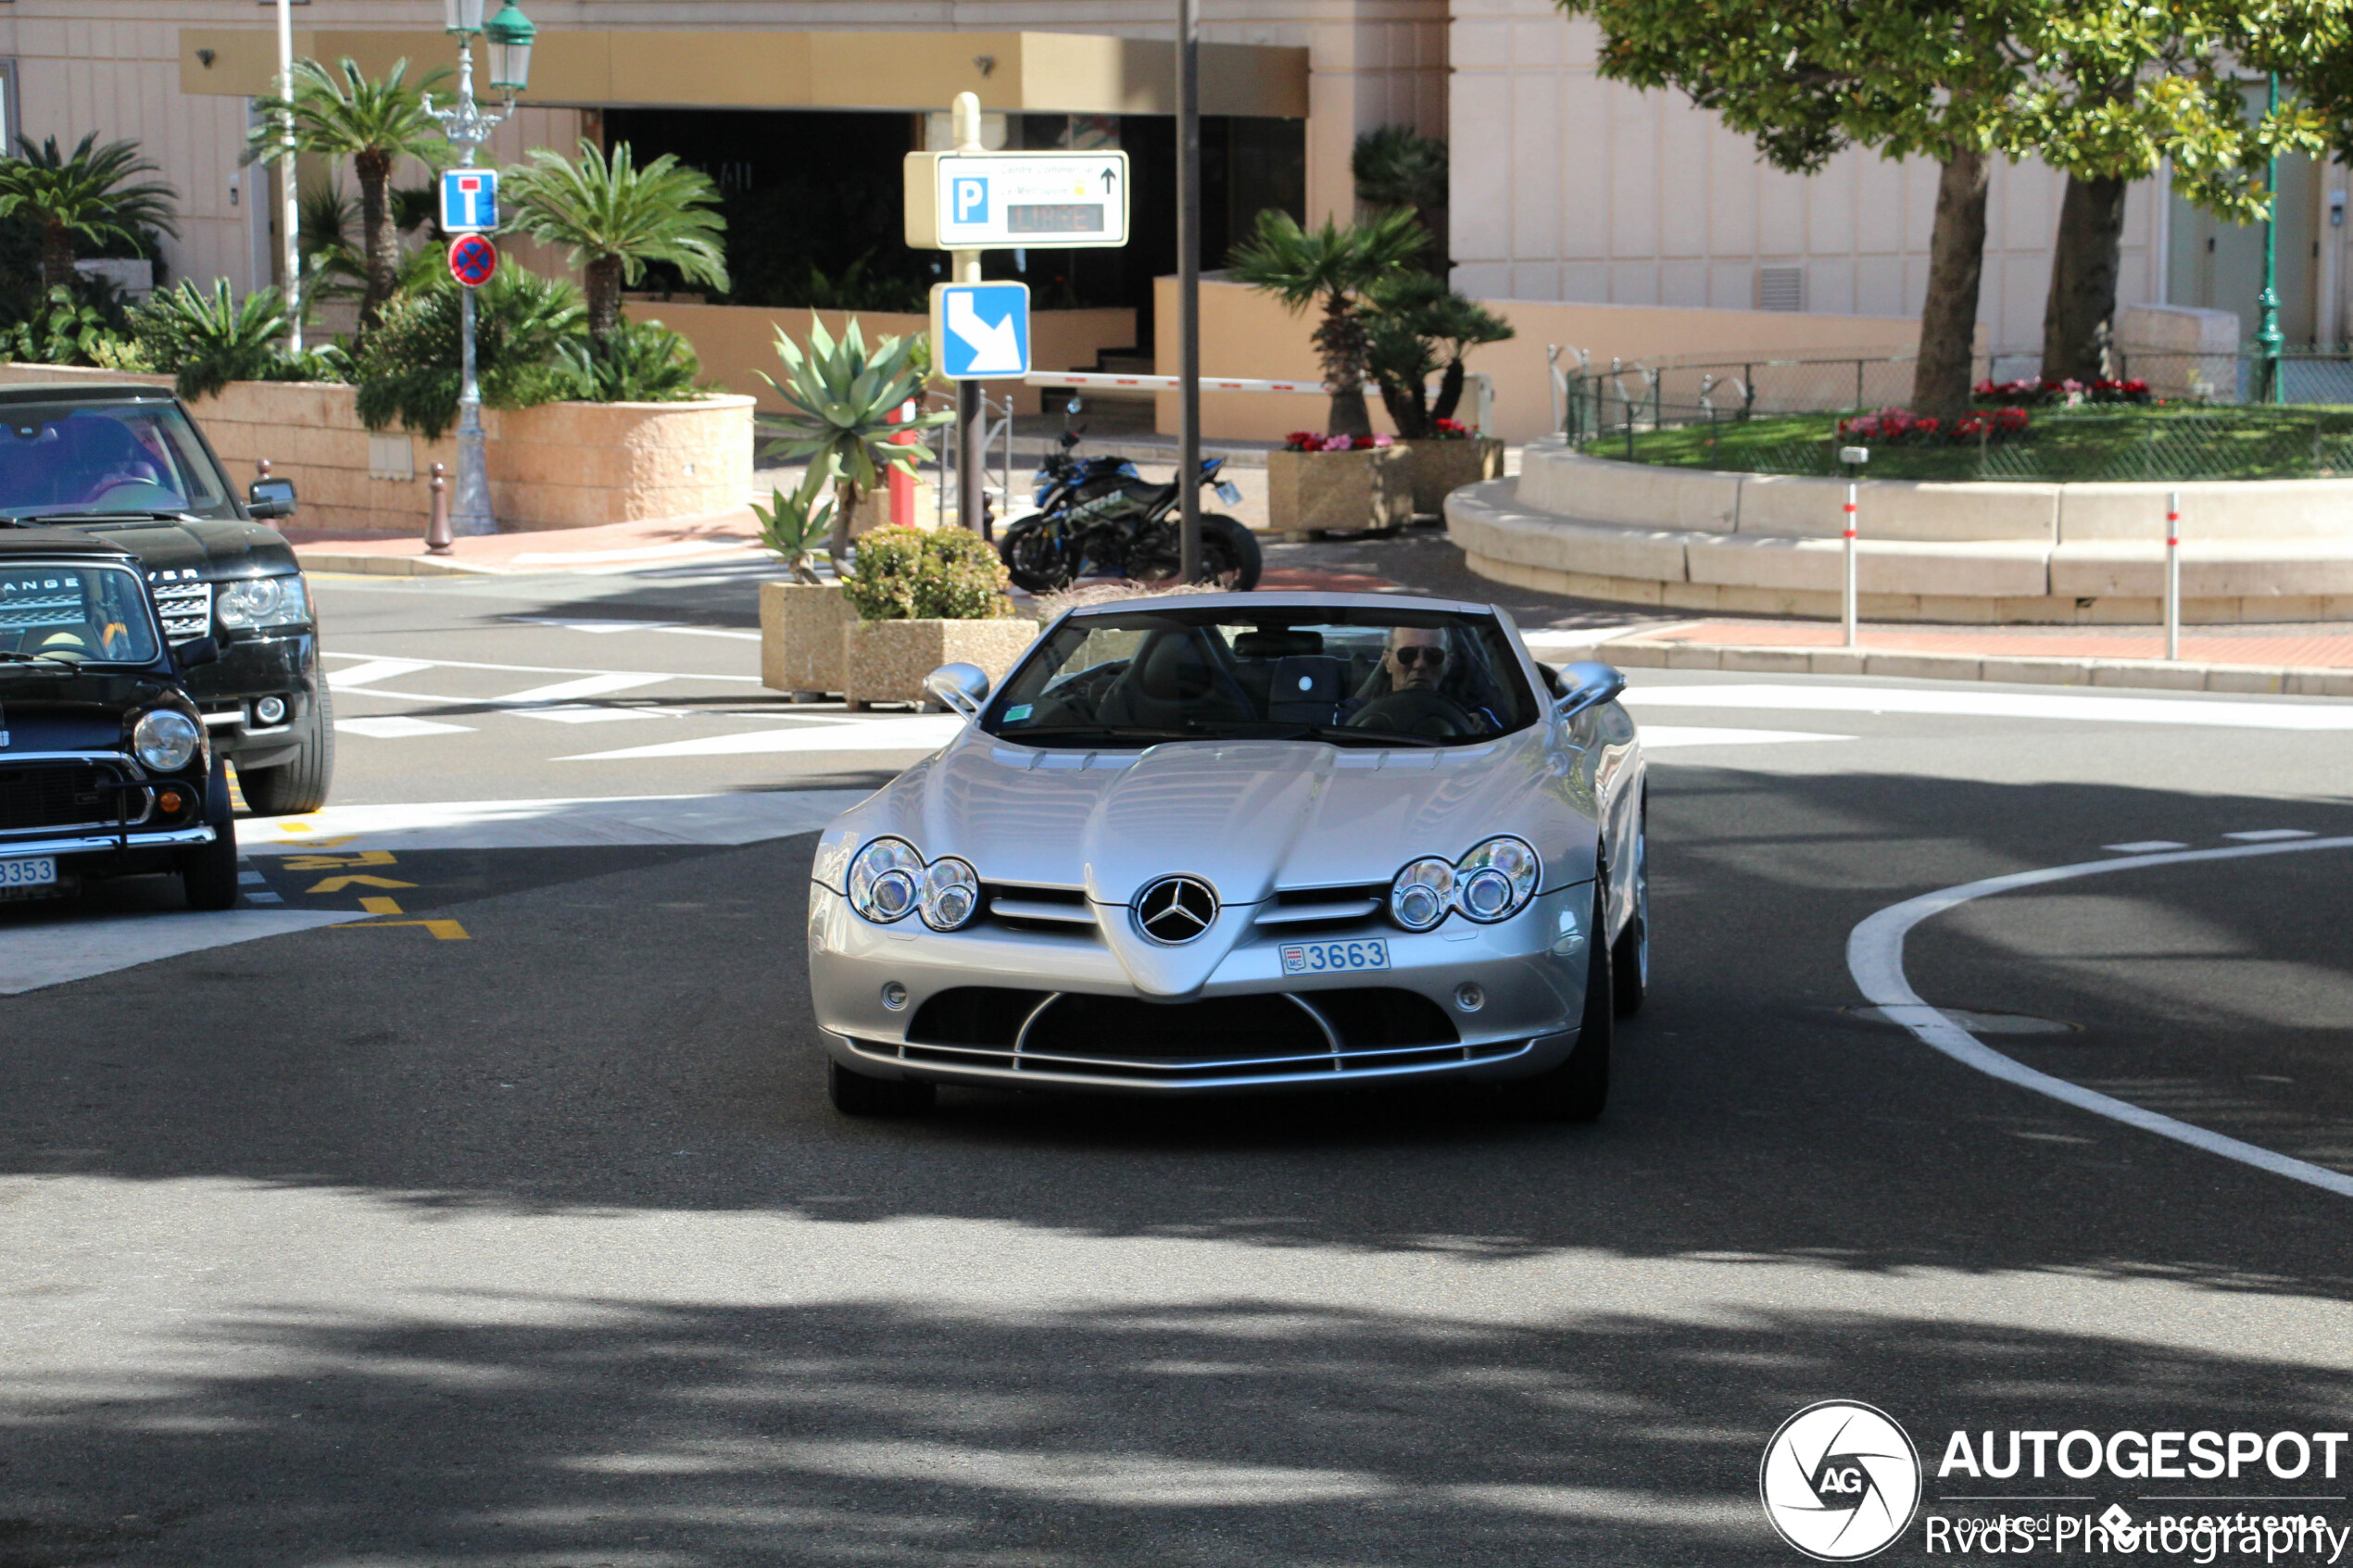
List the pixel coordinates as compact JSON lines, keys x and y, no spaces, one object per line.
{"x":1699,"y":540}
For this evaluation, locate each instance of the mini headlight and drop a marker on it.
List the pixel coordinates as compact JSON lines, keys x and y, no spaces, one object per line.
{"x":1496,"y":880}
{"x":950,"y":895}
{"x":1422,"y":894}
{"x":884,"y":880}
{"x":164,"y":740}
{"x":263,"y":601}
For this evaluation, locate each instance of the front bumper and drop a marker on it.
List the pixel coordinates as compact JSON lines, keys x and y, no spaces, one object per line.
{"x":252,"y":666}
{"x":1298,"y":1031}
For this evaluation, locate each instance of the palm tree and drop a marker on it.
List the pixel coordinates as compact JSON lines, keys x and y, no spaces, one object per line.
{"x":1397,"y":166}
{"x":616,"y":217}
{"x":341,"y":113}
{"x":1334,"y":267}
{"x":88,"y":195}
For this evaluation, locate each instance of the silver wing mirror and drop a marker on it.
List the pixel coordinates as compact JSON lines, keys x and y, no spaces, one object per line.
{"x":1587,"y":684}
{"x":962,"y":687}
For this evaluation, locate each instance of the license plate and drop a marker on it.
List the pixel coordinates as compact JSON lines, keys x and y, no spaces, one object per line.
{"x":1334,"y":958}
{"x":1229,"y":493}
{"x":40,"y":873}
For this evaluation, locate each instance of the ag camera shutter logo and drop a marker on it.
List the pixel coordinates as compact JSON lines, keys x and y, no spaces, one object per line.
{"x":1840,"y":1481}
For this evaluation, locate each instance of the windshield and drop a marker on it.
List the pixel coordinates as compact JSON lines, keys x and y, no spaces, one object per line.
{"x":75,"y":615}
{"x":60,"y":460}
{"x":1368,"y":676}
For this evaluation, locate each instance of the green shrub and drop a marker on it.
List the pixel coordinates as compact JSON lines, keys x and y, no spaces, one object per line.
{"x":643,"y":362}
{"x":82,"y":325}
{"x":907,"y":575}
{"x":409,"y":370}
{"x":206,"y":340}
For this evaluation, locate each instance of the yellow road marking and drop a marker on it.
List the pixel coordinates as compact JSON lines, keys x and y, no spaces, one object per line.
{"x":338,"y":884}
{"x":380,"y":906}
{"x":443,"y":930}
{"x":329,"y":862}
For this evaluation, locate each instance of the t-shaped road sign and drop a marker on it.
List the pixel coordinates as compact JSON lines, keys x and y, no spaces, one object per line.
{"x":1005,"y":201}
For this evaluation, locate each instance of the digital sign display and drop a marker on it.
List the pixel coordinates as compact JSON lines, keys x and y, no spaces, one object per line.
{"x":1055,"y":217}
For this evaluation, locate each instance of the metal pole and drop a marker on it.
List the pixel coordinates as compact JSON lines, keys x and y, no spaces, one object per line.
{"x":1008,"y":454}
{"x":472,"y":511}
{"x":289,"y":202}
{"x":972,"y":403}
{"x":2266,"y":339}
{"x":2173,"y":574}
{"x":1847,"y":611}
{"x":437,"y":524}
{"x":1189,"y":290}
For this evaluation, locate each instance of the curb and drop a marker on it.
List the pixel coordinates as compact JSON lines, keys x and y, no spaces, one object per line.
{"x":2155,"y":674}
{"x":391,"y":566}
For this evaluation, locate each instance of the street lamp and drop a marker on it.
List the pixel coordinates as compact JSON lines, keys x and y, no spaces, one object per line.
{"x":2267,"y":335}
{"x":467,"y":126}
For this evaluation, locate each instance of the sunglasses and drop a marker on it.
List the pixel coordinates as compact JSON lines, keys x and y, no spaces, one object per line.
{"x":1413,"y":654}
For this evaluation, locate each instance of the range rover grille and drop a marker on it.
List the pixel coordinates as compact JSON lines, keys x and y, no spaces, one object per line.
{"x":186,"y":609}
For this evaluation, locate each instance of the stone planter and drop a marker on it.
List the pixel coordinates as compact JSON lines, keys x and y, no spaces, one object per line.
{"x":1440,"y":468}
{"x":887,"y":660}
{"x":800,"y":628}
{"x":1309,"y":492}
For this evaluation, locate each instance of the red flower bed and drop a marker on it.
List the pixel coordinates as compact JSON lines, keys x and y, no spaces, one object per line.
{"x":1308,"y":441}
{"x":1901,"y":427}
{"x":2064,"y":393}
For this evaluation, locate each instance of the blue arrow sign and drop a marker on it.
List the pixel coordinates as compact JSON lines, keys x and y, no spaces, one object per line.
{"x":981,"y":330}
{"x":469,"y":200}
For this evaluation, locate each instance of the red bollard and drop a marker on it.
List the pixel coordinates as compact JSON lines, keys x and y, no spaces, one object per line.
{"x":903,"y":482}
{"x":437,"y":534}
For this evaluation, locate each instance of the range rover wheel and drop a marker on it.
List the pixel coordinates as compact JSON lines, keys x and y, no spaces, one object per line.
{"x":1578,"y":1088}
{"x":855,"y":1094}
{"x":292,"y":788}
{"x":209,"y":872}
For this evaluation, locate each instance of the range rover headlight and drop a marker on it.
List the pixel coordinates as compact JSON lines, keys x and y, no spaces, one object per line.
{"x":263,"y":601}
{"x":164,"y":740}
{"x":1422,"y":894}
{"x":1496,"y":880}
{"x":885,"y":880}
{"x":950,"y":895}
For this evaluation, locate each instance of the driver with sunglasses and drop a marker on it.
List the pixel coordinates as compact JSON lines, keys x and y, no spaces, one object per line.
{"x":1416,"y":661}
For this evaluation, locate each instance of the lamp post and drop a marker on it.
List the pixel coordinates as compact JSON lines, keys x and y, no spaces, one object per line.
{"x":2267,"y":335}
{"x":289,"y":196}
{"x":467,"y":126}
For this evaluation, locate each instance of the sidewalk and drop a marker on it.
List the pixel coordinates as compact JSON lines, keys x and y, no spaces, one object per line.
{"x":2313,"y":659}
{"x":660,"y":541}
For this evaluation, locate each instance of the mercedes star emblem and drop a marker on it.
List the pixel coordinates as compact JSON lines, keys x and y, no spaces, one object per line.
{"x":1175,"y":909}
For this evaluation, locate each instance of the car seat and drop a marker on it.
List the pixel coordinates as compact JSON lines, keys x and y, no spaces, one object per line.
{"x":1307,"y":689}
{"x":1172,"y":679}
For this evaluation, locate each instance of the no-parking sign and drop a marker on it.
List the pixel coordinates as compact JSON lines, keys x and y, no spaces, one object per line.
{"x":472,"y":259}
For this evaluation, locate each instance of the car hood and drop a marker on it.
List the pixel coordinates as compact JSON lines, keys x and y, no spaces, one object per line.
{"x":206,"y":550}
{"x":52,"y":709}
{"x":1247,"y":817}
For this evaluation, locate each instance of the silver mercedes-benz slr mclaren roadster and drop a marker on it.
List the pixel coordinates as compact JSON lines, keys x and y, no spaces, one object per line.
{"x":1237,"y":841}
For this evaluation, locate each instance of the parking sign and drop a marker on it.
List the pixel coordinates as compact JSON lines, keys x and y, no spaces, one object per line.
{"x":1011,"y":201}
{"x":469,"y":200}
{"x":980,"y":331}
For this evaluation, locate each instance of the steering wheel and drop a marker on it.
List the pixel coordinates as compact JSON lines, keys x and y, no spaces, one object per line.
{"x":1414,"y":713}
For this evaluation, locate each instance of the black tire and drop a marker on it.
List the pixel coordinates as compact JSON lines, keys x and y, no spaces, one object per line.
{"x":1579,"y":1087}
{"x":209,"y":872}
{"x":855,"y":1094}
{"x":292,"y":788}
{"x":1629,"y":959}
{"x":1229,"y":553}
{"x":1031,"y":559}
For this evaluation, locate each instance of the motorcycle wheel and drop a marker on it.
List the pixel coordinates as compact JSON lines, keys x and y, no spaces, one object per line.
{"x":1033,"y":557}
{"x":1229,"y":555}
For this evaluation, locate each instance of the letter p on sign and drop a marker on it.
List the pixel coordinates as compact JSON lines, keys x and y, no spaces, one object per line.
{"x":972,"y":199}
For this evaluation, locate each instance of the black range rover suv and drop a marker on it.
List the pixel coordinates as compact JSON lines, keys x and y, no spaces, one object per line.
{"x":126,"y":464}
{"x":105,"y":767}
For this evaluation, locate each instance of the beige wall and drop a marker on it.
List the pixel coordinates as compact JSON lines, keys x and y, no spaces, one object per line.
{"x":736,"y":341}
{"x":564,"y":465}
{"x":1246,"y":334}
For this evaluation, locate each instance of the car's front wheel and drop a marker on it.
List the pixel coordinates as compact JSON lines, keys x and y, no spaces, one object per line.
{"x":858,"y":1094}
{"x":1579,"y":1087}
{"x":293,"y":788}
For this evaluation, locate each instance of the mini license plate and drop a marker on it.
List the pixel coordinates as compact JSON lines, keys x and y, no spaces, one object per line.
{"x":38,"y":873}
{"x":1334,"y":958}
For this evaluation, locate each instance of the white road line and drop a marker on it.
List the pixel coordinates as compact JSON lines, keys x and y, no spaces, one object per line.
{"x":543,"y":668}
{"x":2269,"y":835}
{"x":670,"y":628}
{"x":714,"y":819}
{"x":1658,"y":736}
{"x":371,"y":670}
{"x":2290,"y":713}
{"x":920,"y":732}
{"x":1875,"y":957}
{"x":2146,"y":846}
{"x":398,"y":727}
{"x":591,"y":713}
{"x":572,"y":691}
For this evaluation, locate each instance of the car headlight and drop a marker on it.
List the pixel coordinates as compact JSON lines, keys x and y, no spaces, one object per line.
{"x":164,"y":739}
{"x":1422,"y":894}
{"x":950,"y":895}
{"x":885,"y":880}
{"x":263,"y":601}
{"x":1496,"y":880}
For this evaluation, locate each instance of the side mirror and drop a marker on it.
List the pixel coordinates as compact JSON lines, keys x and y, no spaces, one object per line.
{"x":196,"y":651}
{"x":1587,"y":684}
{"x":267,"y":498}
{"x":962,"y":687}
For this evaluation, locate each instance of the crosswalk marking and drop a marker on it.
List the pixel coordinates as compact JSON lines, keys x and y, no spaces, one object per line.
{"x":371,"y":671}
{"x":572,"y":691}
{"x":397,"y":727}
{"x":590,"y":713}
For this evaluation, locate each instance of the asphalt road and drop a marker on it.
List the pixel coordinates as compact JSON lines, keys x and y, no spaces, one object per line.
{"x":520,"y":1233}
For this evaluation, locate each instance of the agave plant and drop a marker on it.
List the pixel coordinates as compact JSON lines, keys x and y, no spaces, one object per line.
{"x":791,"y":525}
{"x":838,"y":402}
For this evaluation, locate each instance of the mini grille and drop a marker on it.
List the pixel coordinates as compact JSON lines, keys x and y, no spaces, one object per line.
{"x":58,"y":794}
{"x":186,"y":609}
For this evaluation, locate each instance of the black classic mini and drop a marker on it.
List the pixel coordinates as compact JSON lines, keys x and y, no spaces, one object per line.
{"x":106,"y":769}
